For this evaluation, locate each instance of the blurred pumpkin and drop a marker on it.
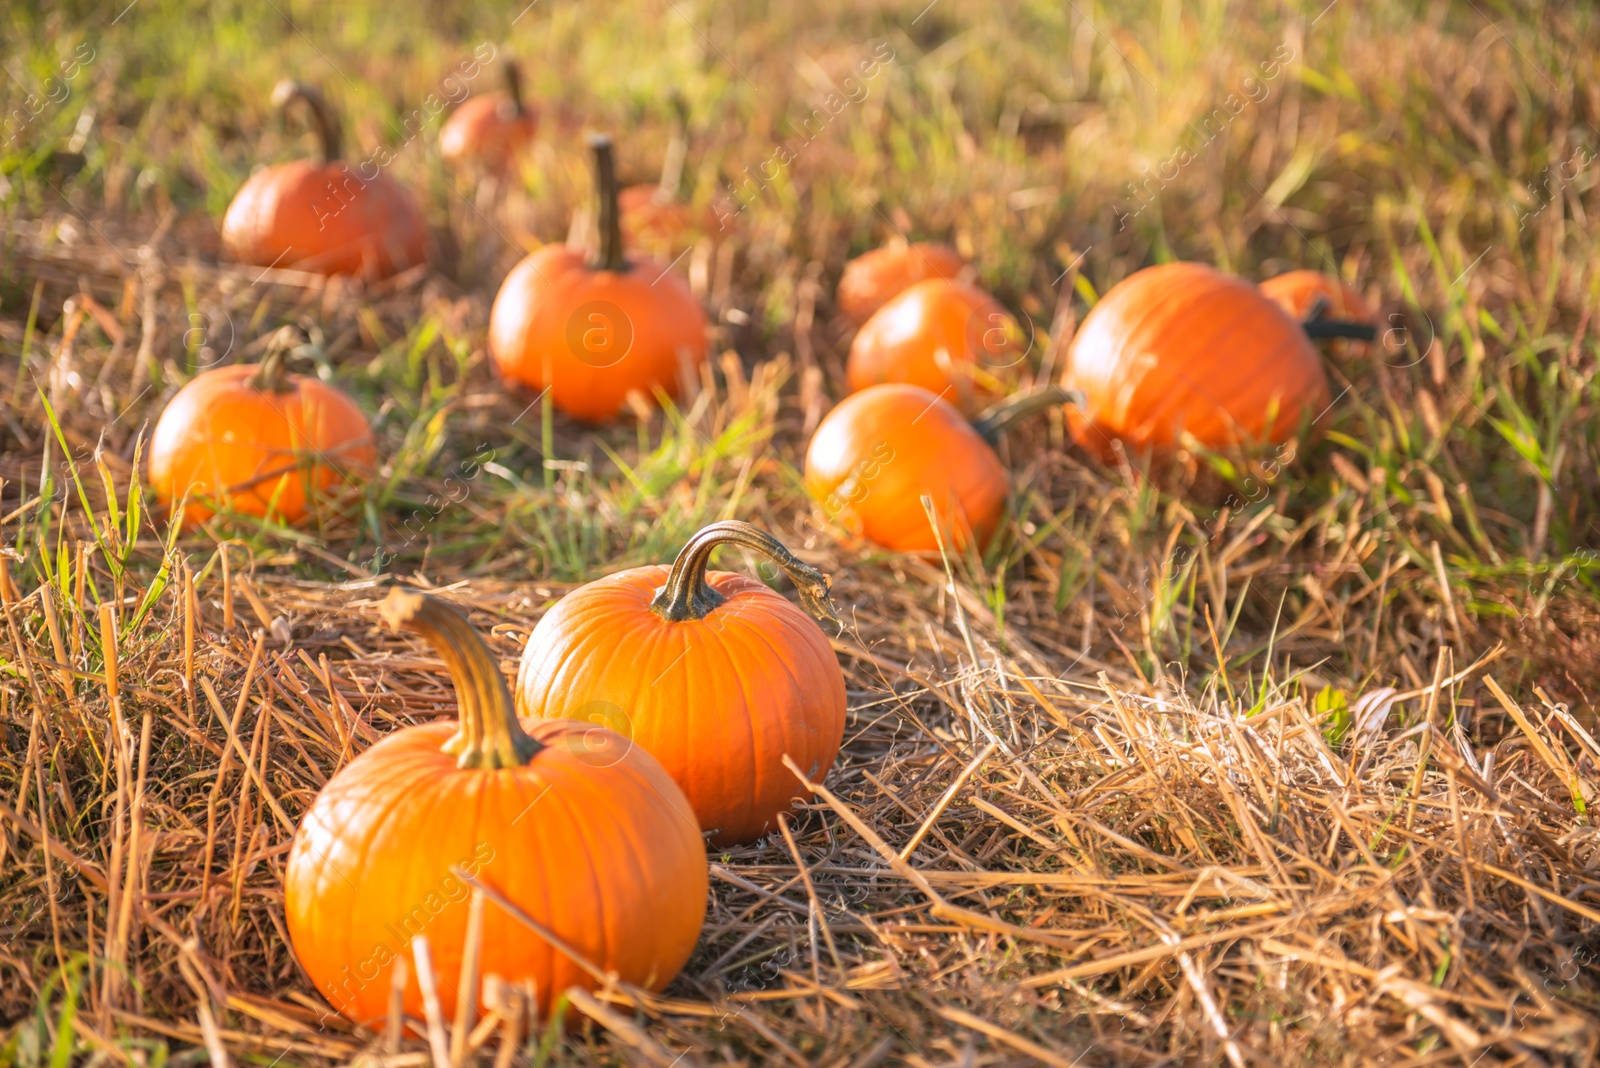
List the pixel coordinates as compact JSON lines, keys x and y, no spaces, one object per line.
{"x":871,"y":279}
{"x":490,"y":130}
{"x":255,"y":439}
{"x":880,"y":451}
{"x":656,"y":217}
{"x":945,"y":336}
{"x":713,"y":673}
{"x":595,"y":329}
{"x":581,"y":831}
{"x":1185,"y":350}
{"x":322,"y":216}
{"x":1302,"y":293}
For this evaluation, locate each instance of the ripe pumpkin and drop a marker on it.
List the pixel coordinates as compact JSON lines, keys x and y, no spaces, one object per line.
{"x":879,"y":451}
{"x":490,"y":130}
{"x":594,"y":330}
{"x":945,"y":336}
{"x":323,"y":216}
{"x":713,"y":673}
{"x":584,"y":833}
{"x":872,"y":278}
{"x":656,"y":217}
{"x":1301,"y":293}
{"x":1182,"y":349}
{"x":255,"y":438}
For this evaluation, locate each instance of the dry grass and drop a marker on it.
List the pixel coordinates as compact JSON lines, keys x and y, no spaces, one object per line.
{"x":1312,"y":790}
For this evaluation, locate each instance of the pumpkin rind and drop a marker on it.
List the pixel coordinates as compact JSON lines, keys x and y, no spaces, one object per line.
{"x":1297,"y":292}
{"x":718,"y":700}
{"x":1184,"y":349}
{"x":873,"y":278}
{"x":488,"y":131}
{"x":878,"y":451}
{"x":945,"y":336}
{"x":593,"y":336}
{"x":588,"y":836}
{"x":221,"y":438}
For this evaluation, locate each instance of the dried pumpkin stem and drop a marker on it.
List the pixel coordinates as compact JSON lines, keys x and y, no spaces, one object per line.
{"x":326,"y":120}
{"x":609,"y":257}
{"x":1321,"y":329}
{"x":994,"y":421}
{"x":512,"y":73}
{"x":490,"y":735}
{"x":1318,"y":326}
{"x":687,"y":595}
{"x":672,"y":165}
{"x":273,"y":374}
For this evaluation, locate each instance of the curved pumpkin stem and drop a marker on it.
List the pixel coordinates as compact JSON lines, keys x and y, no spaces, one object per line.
{"x":687,"y":595}
{"x":326,"y":119}
{"x":999,"y":418}
{"x":512,"y":73}
{"x":490,"y":735}
{"x":609,"y":255}
{"x":671,"y":186}
{"x":272,"y":376}
{"x":1318,"y":326}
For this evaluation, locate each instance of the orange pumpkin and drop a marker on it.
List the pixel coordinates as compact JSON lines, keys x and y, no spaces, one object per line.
{"x":1184,"y":350}
{"x":490,"y":130}
{"x":880,"y":451}
{"x":656,"y":217}
{"x":594,"y":330}
{"x":323,"y":216}
{"x":871,"y":279}
{"x":713,"y":673}
{"x":945,"y":336}
{"x":257,"y":440}
{"x":1302,"y":293}
{"x":585,"y":834}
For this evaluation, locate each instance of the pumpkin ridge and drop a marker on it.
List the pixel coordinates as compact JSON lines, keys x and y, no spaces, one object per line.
{"x":777,"y":654}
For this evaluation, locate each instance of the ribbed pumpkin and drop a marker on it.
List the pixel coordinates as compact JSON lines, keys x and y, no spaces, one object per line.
{"x":879,"y":451}
{"x":323,"y":216}
{"x":713,"y":673}
{"x":1300,"y":293}
{"x":872,"y":278}
{"x":656,"y":217}
{"x":945,"y":336}
{"x":594,"y":330}
{"x":584,"y":833}
{"x":490,"y":130}
{"x":1182,"y":349}
{"x":253,"y":438}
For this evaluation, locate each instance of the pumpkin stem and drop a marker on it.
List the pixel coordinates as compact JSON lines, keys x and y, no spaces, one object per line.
{"x":671,"y":186}
{"x":272,"y":376}
{"x":996,"y":420}
{"x":490,"y":735}
{"x":687,"y":595}
{"x":324,"y":116}
{"x":512,"y":73}
{"x":609,"y":254}
{"x":1320,"y":329}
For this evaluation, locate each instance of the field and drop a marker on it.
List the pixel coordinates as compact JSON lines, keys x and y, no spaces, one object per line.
{"x":1278,"y":763}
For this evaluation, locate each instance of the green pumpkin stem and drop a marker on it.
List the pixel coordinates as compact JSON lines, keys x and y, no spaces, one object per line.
{"x":513,"y":79}
{"x":609,"y":255}
{"x":327,"y":121}
{"x":672,"y":165}
{"x":490,"y":735}
{"x":996,"y":420}
{"x":687,"y":595}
